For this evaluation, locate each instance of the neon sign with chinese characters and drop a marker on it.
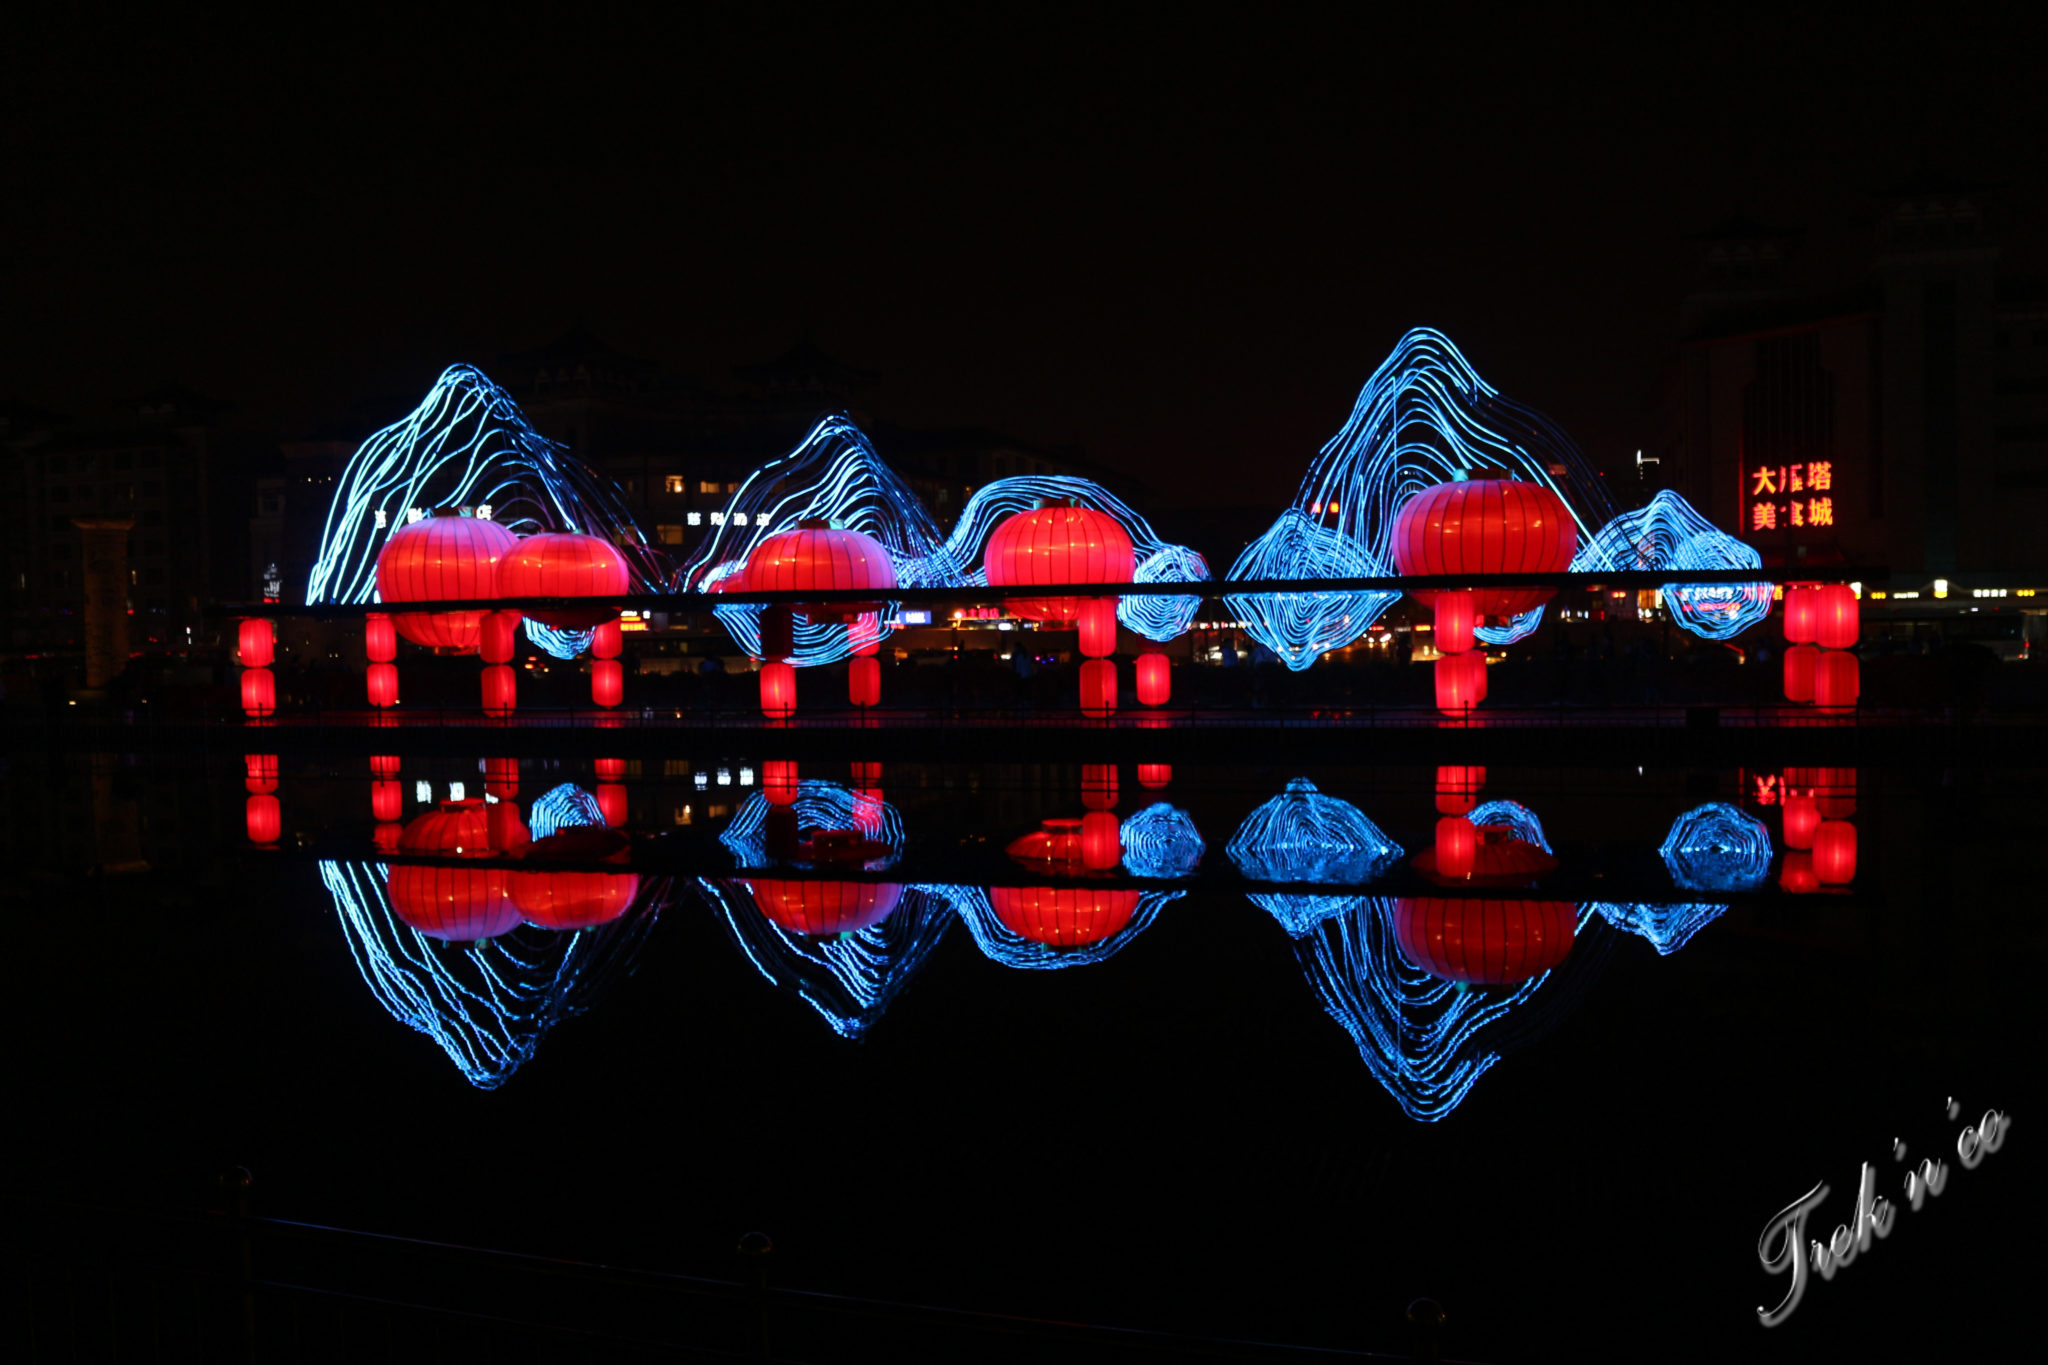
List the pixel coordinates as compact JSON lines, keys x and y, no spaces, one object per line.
{"x":1790,"y":496}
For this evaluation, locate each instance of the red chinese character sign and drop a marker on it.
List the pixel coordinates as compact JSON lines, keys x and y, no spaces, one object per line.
{"x":1789,"y":497}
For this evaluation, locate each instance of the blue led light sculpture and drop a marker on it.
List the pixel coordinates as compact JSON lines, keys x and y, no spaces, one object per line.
{"x":1160,"y":841}
{"x":1300,"y":627}
{"x":1667,"y":927}
{"x":1000,"y":945}
{"x":1669,"y":534}
{"x":1302,"y":835}
{"x":1428,"y":1041}
{"x":565,"y":807}
{"x":467,"y":445}
{"x":819,"y":805}
{"x":1716,"y":847}
{"x":1516,"y":817}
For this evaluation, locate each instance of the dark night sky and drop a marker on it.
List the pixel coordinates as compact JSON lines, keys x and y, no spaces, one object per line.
{"x":1183,"y":242}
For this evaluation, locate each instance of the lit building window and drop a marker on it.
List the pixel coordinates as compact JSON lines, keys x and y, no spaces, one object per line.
{"x":675,"y":483}
{"x":669,"y":534}
{"x":707,"y":485}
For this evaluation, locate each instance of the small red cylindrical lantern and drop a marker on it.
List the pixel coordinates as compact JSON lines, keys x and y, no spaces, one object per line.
{"x":507,"y":832}
{"x":864,"y":680}
{"x":824,"y":908}
{"x":1098,"y":785}
{"x":1836,"y":681}
{"x":778,"y":690}
{"x":1802,"y":613}
{"x":1834,"y":790}
{"x":608,"y":769}
{"x":607,"y":641}
{"x":387,"y":799}
{"x":262,"y":774}
{"x":865,"y":634}
{"x":1098,"y":626}
{"x":1834,"y":853}
{"x":257,"y":642}
{"x":1098,"y":688}
{"x":1460,"y":681}
{"x":259,"y":692}
{"x":1796,"y":876}
{"x":1484,"y":942}
{"x":1055,"y":846}
{"x":384,"y":765}
{"x":611,"y":800}
{"x":1057,"y":545}
{"x":498,"y":636}
{"x":264,"y":818}
{"x":1801,"y":663}
{"x":1456,"y":616}
{"x":866,"y":774}
{"x":1477,"y":526}
{"x":565,"y":564}
{"x":501,"y":777}
{"x":779,"y":780}
{"x":867,"y":811}
{"x":442,"y":558}
{"x":1457,"y":847}
{"x":1154,"y":775}
{"x":608,"y":682}
{"x":380,"y":638}
{"x":1802,"y":817}
{"x":380,"y":684}
{"x":1101,"y":840}
{"x":1837,"y":623}
{"x":1064,"y":916}
{"x":1155,"y":679}
{"x":1458,"y":788}
{"x":386,"y":836}
{"x":500,"y":690}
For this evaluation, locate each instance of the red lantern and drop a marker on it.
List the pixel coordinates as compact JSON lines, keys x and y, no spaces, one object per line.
{"x":384,"y":765}
{"x":608,"y":682}
{"x":387,"y":799}
{"x":1836,"y":623}
{"x":817,"y":556}
{"x":822,"y":908}
{"x":502,"y":825}
{"x":778,"y":691}
{"x":865,"y":634}
{"x":1484,"y":942}
{"x":866,"y":774}
{"x":1155,"y":679}
{"x":1458,"y":788}
{"x":257,"y":642}
{"x":1802,"y":818}
{"x":1480,"y":526}
{"x":1836,"y":682}
{"x":501,"y":690}
{"x":264,"y":818}
{"x":501,"y":777}
{"x":1154,"y":775}
{"x":607,"y":641}
{"x":1062,"y":917}
{"x":867,"y":811}
{"x":442,"y":558}
{"x":566,"y":564}
{"x":559,"y":899}
{"x":1801,"y":663}
{"x":462,"y":904}
{"x":381,"y":685}
{"x":864,"y":681}
{"x":1056,"y":545}
{"x":1055,"y":846}
{"x":1457,"y":847}
{"x":1098,"y":688}
{"x":1456,"y":616}
{"x":380,"y":638}
{"x":1834,"y":853}
{"x":1098,"y":626}
{"x":1802,"y":613}
{"x":608,"y":769}
{"x":1796,"y":876}
{"x":1098,"y":785}
{"x":1835,"y":792}
{"x":611,"y":802}
{"x":1460,"y":681}
{"x":259,"y":692}
{"x":385,"y":836}
{"x":262,"y":770}
{"x":498,"y":636}
{"x":1101,"y":840}
{"x":779,"y":781}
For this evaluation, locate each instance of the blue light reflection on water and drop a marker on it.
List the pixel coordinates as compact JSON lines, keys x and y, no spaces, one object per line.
{"x":1716,"y":847}
{"x":1161,"y":841}
{"x":1302,"y":835}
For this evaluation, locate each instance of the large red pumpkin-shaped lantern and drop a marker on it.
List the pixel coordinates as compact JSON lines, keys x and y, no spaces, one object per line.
{"x":558,"y":898}
{"x":1484,"y":942}
{"x":442,"y":558}
{"x":819,"y":908}
{"x":1052,"y":545}
{"x":1483,"y":526}
{"x":1062,"y":916}
{"x":461,"y":904}
{"x":816,"y":555}
{"x":1055,"y":846}
{"x":566,"y":564}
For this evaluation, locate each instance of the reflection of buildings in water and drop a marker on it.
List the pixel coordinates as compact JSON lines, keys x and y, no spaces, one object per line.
{"x":487,"y":1003}
{"x":1302,"y":835}
{"x":1428,"y":1040}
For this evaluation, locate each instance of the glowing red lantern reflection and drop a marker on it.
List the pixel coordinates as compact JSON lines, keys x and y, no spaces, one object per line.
{"x":864,"y":680}
{"x":1155,"y":679}
{"x":865,"y":774}
{"x":1458,"y":788}
{"x":1837,"y":681}
{"x":1460,"y":681}
{"x":1098,"y":785}
{"x":500,"y":689}
{"x":566,"y":564}
{"x":607,"y":641}
{"x":557,"y":898}
{"x":778,"y":690}
{"x":1484,"y":942}
{"x":264,"y":819}
{"x":1064,"y":916}
{"x":1055,"y":846}
{"x":461,"y":904}
{"x":1834,"y":853}
{"x":1478,"y":526}
{"x":1796,"y":876}
{"x":262,"y":773}
{"x":381,"y":684}
{"x":1834,"y":790}
{"x":257,"y":642}
{"x":387,"y":799}
{"x":259,"y":692}
{"x":1457,"y":846}
{"x":820,"y":908}
{"x":779,"y":780}
{"x":608,"y":682}
{"x":1802,"y":818}
{"x":1098,"y":688}
{"x":1836,"y":623}
{"x":1154,"y":775}
{"x":1801,"y":663}
{"x":611,"y":802}
{"x":1101,"y":840}
{"x":442,"y":558}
